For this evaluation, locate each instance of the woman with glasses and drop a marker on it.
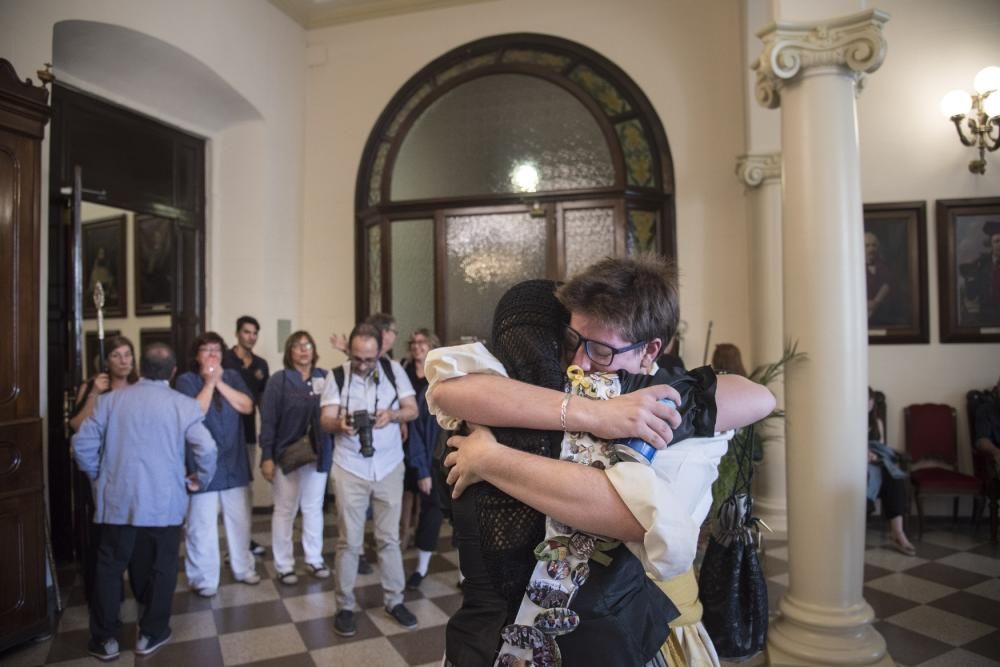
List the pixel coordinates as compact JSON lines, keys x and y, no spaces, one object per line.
{"x":224,"y":398}
{"x":290,"y":413}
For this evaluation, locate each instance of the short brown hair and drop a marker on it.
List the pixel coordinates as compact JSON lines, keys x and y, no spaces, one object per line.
{"x":432,"y":339}
{"x":206,"y":338}
{"x":112,"y":344}
{"x":381,"y":321}
{"x":636,"y":296}
{"x":292,"y":340}
{"x":727,"y":358}
{"x":365,"y":330}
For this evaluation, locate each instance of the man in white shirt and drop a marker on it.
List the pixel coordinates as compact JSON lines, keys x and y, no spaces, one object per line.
{"x":368,"y":468}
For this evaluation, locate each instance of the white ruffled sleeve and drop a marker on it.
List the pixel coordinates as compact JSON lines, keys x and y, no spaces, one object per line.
{"x":447,"y":363}
{"x":671,"y":540}
{"x":670,"y":499}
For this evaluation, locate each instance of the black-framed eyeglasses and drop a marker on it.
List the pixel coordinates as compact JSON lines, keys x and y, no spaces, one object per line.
{"x":599,"y":353}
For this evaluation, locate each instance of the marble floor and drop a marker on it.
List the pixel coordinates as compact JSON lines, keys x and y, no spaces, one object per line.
{"x":940,"y":607}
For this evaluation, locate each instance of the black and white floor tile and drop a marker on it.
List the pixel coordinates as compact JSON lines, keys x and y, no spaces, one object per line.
{"x":938,"y":608}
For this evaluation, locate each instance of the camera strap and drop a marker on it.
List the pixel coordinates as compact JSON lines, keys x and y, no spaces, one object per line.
{"x":386,"y":367}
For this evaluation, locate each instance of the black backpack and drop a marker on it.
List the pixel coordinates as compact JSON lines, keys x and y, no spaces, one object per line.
{"x":386,"y":366}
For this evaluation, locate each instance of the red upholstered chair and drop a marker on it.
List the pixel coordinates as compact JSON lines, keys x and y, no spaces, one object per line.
{"x":982,"y":464}
{"x":931,"y":436}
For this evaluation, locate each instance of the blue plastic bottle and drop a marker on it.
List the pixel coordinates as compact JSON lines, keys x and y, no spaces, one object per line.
{"x":636,"y":449}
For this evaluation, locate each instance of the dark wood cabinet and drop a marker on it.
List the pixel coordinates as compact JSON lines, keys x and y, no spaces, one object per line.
{"x":24,"y":111}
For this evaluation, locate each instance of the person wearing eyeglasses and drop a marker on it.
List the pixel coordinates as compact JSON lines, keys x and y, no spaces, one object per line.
{"x":289,"y":413}
{"x":225,"y":399}
{"x":363,"y":405}
{"x":621,"y":311}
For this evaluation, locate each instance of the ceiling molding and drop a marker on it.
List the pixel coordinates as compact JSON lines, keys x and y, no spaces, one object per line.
{"x":312,"y":14}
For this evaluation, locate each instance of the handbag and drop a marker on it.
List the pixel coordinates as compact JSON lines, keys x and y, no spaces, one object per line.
{"x":301,"y":452}
{"x":733,"y":590}
{"x":297,"y":454}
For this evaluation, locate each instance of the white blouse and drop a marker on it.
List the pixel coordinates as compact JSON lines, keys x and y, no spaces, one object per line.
{"x":669,"y":498}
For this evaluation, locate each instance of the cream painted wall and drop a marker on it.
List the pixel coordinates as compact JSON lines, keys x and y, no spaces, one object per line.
{"x":254,"y":194}
{"x":660,"y":44}
{"x":909,"y":151}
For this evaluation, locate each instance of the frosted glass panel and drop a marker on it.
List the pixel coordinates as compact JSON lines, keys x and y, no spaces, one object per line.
{"x":470,"y":141}
{"x":374,"y":269}
{"x":486,"y":255}
{"x":589,"y":236}
{"x":412,"y":244}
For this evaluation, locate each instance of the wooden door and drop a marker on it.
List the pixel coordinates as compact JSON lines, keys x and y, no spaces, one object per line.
{"x":24,"y":112}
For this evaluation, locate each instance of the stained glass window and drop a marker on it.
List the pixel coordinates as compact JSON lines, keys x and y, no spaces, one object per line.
{"x":374,"y":269}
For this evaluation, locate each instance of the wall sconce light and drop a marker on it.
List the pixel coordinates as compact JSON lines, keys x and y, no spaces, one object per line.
{"x":981,"y":113}
{"x":525,"y":178}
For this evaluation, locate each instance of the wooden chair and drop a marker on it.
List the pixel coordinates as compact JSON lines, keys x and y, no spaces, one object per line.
{"x":982,"y":464}
{"x":932,"y":436}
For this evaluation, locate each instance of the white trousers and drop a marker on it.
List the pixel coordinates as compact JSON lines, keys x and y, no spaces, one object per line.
{"x":301,"y":489}
{"x":201,"y":542}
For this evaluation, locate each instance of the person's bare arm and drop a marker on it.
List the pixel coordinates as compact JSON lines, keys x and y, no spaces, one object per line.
{"x":550,"y":486}
{"x":986,"y":445}
{"x":740,"y":402}
{"x":241,"y":402}
{"x":330,"y":420}
{"x":498,"y":401}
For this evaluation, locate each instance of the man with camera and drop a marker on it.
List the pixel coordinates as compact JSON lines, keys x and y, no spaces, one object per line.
{"x":363,"y":404}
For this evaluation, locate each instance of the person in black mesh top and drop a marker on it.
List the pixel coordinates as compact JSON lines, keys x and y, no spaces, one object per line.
{"x":497,"y":534}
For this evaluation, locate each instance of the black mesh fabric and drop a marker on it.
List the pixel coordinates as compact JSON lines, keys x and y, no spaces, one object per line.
{"x":527,"y":329}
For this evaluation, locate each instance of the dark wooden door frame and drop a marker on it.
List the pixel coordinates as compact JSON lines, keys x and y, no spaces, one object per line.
{"x":141,"y":165}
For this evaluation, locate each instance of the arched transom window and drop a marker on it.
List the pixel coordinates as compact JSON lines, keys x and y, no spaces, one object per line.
{"x":513,"y":157}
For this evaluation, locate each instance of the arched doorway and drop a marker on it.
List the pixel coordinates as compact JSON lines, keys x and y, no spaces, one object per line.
{"x":513,"y":157}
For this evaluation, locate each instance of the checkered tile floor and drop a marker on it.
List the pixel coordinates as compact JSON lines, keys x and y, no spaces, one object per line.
{"x":941,"y":607}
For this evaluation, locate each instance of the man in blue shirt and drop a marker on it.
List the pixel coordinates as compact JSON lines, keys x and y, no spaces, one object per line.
{"x":132,"y":448}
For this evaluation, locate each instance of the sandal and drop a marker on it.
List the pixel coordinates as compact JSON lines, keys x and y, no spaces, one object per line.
{"x":288,"y":578}
{"x":905,"y":549}
{"x":320,"y":571}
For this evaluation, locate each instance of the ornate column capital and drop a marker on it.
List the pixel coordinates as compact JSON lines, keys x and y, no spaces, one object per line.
{"x":754,"y":169}
{"x":853,"y":42}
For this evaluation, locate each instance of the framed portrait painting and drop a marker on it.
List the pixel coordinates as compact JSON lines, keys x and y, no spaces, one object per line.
{"x":154,"y":265}
{"x":968,"y":244}
{"x":896,"y":272}
{"x":104,"y":258}
{"x":92,"y":349}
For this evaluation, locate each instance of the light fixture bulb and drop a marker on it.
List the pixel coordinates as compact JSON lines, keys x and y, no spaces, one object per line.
{"x":991,"y":105}
{"x":525,"y":177}
{"x":956,"y":102}
{"x":987,"y":79}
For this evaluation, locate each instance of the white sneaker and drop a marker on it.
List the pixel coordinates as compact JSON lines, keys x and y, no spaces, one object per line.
{"x":206,"y":592}
{"x":251,"y":579}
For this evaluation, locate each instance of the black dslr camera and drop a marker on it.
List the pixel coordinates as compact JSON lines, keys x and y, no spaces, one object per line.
{"x":361,"y":421}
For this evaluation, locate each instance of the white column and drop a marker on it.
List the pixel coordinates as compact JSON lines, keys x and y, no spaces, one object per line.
{"x":811,"y":71}
{"x":761,"y":173}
